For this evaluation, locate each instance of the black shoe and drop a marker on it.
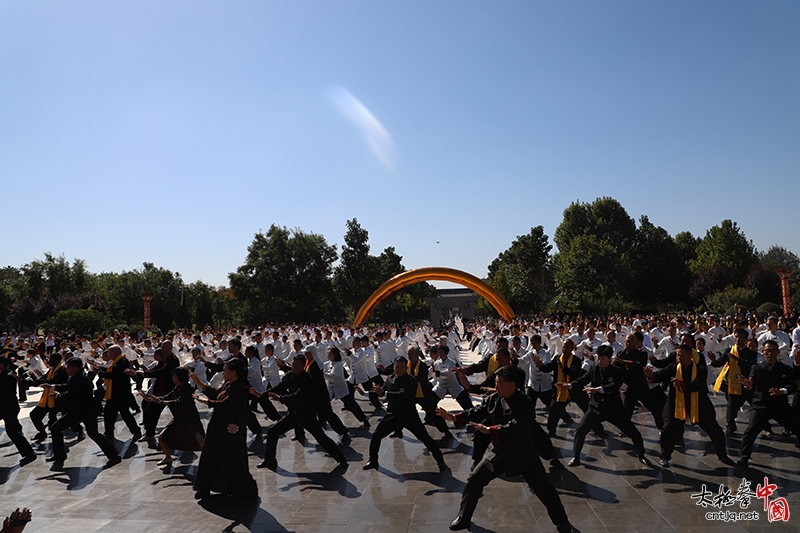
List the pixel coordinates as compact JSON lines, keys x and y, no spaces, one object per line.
{"x":645,"y":461}
{"x":766,"y":435}
{"x":81,"y":436}
{"x":346,"y":438}
{"x":136,"y":436}
{"x":397,"y":434}
{"x":40,"y":436}
{"x":459,"y":523}
{"x":372,"y":464}
{"x":551,"y":434}
{"x":200,"y":494}
{"x":564,"y":527}
{"x":365,"y":425}
{"x":269,"y":465}
{"x":724,"y":459}
{"x":28,"y":459}
{"x":664,"y":463}
{"x":442,"y":465}
{"x":341,"y":466}
{"x":730,"y":432}
{"x":556,"y":464}
{"x":114,"y":461}
{"x":54,"y":459}
{"x":574,"y":462}
{"x":601,"y":434}
{"x":299,"y":439}
{"x":744,"y":462}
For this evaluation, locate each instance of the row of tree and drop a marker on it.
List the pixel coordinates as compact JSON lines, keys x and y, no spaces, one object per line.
{"x":288,"y":275}
{"x":607,"y":263}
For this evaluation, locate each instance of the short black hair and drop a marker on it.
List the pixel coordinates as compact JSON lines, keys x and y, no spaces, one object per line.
{"x":605,"y":350}
{"x":77,"y":362}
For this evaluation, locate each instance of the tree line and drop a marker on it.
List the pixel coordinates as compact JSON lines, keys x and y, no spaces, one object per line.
{"x":605,"y":263}
{"x":288,"y":275}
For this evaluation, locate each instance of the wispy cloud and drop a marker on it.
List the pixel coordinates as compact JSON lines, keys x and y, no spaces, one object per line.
{"x":378,"y":139}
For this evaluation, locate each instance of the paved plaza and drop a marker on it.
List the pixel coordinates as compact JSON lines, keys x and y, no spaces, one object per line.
{"x":611,"y":492}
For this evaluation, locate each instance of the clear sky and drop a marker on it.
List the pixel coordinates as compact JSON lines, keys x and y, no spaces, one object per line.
{"x":171,"y":131}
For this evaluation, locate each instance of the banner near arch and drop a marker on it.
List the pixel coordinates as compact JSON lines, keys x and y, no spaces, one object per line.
{"x":439,"y":274}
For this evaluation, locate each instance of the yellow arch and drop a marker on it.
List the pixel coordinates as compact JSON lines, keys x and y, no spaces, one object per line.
{"x":410,"y":277}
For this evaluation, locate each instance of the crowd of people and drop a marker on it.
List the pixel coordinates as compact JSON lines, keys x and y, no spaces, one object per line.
{"x":608,"y":367}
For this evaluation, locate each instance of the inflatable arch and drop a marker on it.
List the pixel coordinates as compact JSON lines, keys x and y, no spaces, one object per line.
{"x":434,"y":273}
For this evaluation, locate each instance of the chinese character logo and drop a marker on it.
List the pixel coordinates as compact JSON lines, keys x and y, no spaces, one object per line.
{"x":777,"y":509}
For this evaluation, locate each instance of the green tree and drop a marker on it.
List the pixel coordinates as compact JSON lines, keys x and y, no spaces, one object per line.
{"x":358,"y":273}
{"x":523,"y":272}
{"x":727,"y":247}
{"x":595,"y":243}
{"x":779,"y":257}
{"x":661,"y":277}
{"x":286,"y":276}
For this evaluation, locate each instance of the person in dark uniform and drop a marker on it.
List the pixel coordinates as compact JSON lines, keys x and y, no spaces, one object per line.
{"x":565,"y":368}
{"x":322,"y":400}
{"x":633,"y":360}
{"x":118,"y":393}
{"x":46,"y":406}
{"x":76,"y":398}
{"x":506,"y":416}
{"x":401,"y":412}
{"x":771,"y":382}
{"x":297,"y":391}
{"x":687,"y":401}
{"x":601,"y":383}
{"x":424,"y":396}
{"x":9,"y":411}
{"x":162,"y":386}
{"x":737,"y":361}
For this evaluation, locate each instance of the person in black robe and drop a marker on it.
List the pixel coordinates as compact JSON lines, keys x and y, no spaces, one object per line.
{"x":9,"y":411}
{"x":185,"y":431}
{"x":223,"y":465}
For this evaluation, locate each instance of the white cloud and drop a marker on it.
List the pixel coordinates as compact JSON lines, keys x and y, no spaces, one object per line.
{"x":378,"y":139}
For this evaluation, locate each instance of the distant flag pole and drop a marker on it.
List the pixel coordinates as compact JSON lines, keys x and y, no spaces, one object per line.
{"x":784,"y":274}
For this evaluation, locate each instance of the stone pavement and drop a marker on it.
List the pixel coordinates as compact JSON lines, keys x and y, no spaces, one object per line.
{"x":612,"y":492}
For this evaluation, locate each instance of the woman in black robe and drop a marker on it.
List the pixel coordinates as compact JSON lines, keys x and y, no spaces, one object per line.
{"x":223,"y":465}
{"x":185,"y":432}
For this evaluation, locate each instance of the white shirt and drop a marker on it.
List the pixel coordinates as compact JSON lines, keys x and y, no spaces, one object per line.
{"x":446,"y":381}
{"x":334,"y":379}
{"x":271,"y":371}
{"x":535,"y":378}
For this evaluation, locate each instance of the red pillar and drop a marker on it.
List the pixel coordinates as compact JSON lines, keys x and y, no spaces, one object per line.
{"x":146,"y":298}
{"x":787,"y":297}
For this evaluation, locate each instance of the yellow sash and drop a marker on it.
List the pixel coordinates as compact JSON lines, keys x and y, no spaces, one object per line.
{"x":46,"y":400}
{"x":414,"y":372}
{"x":680,"y":398}
{"x":695,"y":356}
{"x":732,"y":370}
{"x":491,"y":365}
{"x":562,"y":395}
{"x":108,"y":381}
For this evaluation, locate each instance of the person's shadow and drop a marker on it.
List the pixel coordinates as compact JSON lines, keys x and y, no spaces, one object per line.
{"x":76,"y":477}
{"x":242,"y":512}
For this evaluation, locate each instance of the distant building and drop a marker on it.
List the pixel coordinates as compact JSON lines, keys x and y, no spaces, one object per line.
{"x":452,"y":302}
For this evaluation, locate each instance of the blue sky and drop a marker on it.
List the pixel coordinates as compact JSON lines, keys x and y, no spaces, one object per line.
{"x":171,"y":132}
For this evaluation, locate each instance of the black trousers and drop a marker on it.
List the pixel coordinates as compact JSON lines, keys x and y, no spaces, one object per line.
{"x":464,"y":400}
{"x":534,"y":474}
{"x":151,"y":413}
{"x":325,"y":414}
{"x":266,"y":405}
{"x":90,"y":421}
{"x":114,"y":407}
{"x":592,"y":417}
{"x":735,"y":403}
{"x":759,"y":417}
{"x":310,"y":424}
{"x":673,"y":429}
{"x":14,"y":431}
{"x":546,"y":396}
{"x":544,"y":446}
{"x":351,"y":405}
{"x":640,"y":392}
{"x":392,"y":422}
{"x":38,"y":414}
